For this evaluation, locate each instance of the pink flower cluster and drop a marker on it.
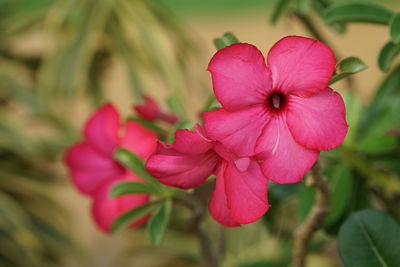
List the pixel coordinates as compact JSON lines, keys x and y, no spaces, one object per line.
{"x":94,"y":171}
{"x":274,"y":120}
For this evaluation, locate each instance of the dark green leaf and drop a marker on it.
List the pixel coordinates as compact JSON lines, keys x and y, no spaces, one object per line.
{"x":346,"y":67}
{"x":126,"y":188}
{"x":158,"y":223}
{"x":357,"y":12}
{"x":388,"y":52}
{"x":395,"y":28}
{"x":370,"y":238}
{"x":359,"y":199}
{"x":130,"y":216}
{"x":280,"y":7}
{"x":135,"y":164}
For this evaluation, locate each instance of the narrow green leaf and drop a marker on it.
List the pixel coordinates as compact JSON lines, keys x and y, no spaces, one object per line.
{"x":357,"y":12}
{"x":385,"y":98}
{"x":218,"y":43}
{"x":126,"y":188}
{"x":175,"y":105}
{"x":134,"y":214}
{"x":280,"y":7}
{"x":395,"y":28}
{"x":303,"y":6}
{"x":147,"y":124}
{"x":388,"y":52}
{"x":135,"y":164}
{"x":370,"y":238}
{"x":320,"y":6}
{"x":346,"y":67}
{"x":353,"y":113}
{"x":226,"y":40}
{"x":158,"y":223}
{"x":212,"y":103}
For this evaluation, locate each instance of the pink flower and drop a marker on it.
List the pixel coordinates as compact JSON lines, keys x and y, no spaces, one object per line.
{"x":93,"y":169}
{"x":240,"y":194}
{"x":150,"y":111}
{"x":283,"y":114}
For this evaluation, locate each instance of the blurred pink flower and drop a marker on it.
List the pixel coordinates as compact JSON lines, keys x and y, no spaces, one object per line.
{"x":93,"y":169}
{"x":283,"y":114}
{"x":240,"y":194}
{"x":150,"y":111}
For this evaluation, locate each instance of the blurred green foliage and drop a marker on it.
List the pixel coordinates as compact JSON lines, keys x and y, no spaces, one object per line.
{"x":38,"y":90}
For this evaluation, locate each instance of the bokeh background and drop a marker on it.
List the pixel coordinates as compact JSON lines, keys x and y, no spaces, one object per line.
{"x":59,"y":60}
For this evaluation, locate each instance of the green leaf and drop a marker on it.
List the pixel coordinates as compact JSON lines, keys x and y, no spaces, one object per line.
{"x":134,"y":214}
{"x":158,"y":223}
{"x":212,"y":103}
{"x":395,"y":28}
{"x":357,"y":12}
{"x":147,"y":124}
{"x":370,"y":238}
{"x":303,"y":6}
{"x":320,"y":6}
{"x":340,"y":182}
{"x":280,"y":7}
{"x":388,"y":52}
{"x":347,"y":67}
{"x":135,"y":164}
{"x":381,"y":115}
{"x":226,"y":40}
{"x":126,"y":188}
{"x":175,"y":105}
{"x":353,"y":113}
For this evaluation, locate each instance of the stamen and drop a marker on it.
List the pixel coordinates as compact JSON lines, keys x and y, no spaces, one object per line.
{"x":276,"y":100}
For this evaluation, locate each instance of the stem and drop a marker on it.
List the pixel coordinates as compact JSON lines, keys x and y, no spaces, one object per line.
{"x":210,"y":259}
{"x":315,"y":218}
{"x":310,"y":26}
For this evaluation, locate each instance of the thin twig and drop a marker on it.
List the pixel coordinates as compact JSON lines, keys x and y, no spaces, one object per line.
{"x":210,"y":259}
{"x":315,"y":218}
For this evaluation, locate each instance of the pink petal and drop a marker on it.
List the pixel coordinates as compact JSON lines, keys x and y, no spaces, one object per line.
{"x":139,"y":139}
{"x":284,"y":160}
{"x":188,"y":142}
{"x":105,"y":209}
{"x":182,"y":170}
{"x":149,"y":110}
{"x":246,"y":193}
{"x":240,"y":77}
{"x":318,"y":122}
{"x":102,"y":128}
{"x":239,"y":130}
{"x":301,"y":66}
{"x":89,"y":168}
{"x":218,"y":204}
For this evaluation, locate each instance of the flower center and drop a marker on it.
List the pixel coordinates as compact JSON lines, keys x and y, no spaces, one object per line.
{"x":276,"y":101}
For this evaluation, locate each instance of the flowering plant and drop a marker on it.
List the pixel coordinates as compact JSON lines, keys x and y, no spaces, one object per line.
{"x":270,"y":122}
